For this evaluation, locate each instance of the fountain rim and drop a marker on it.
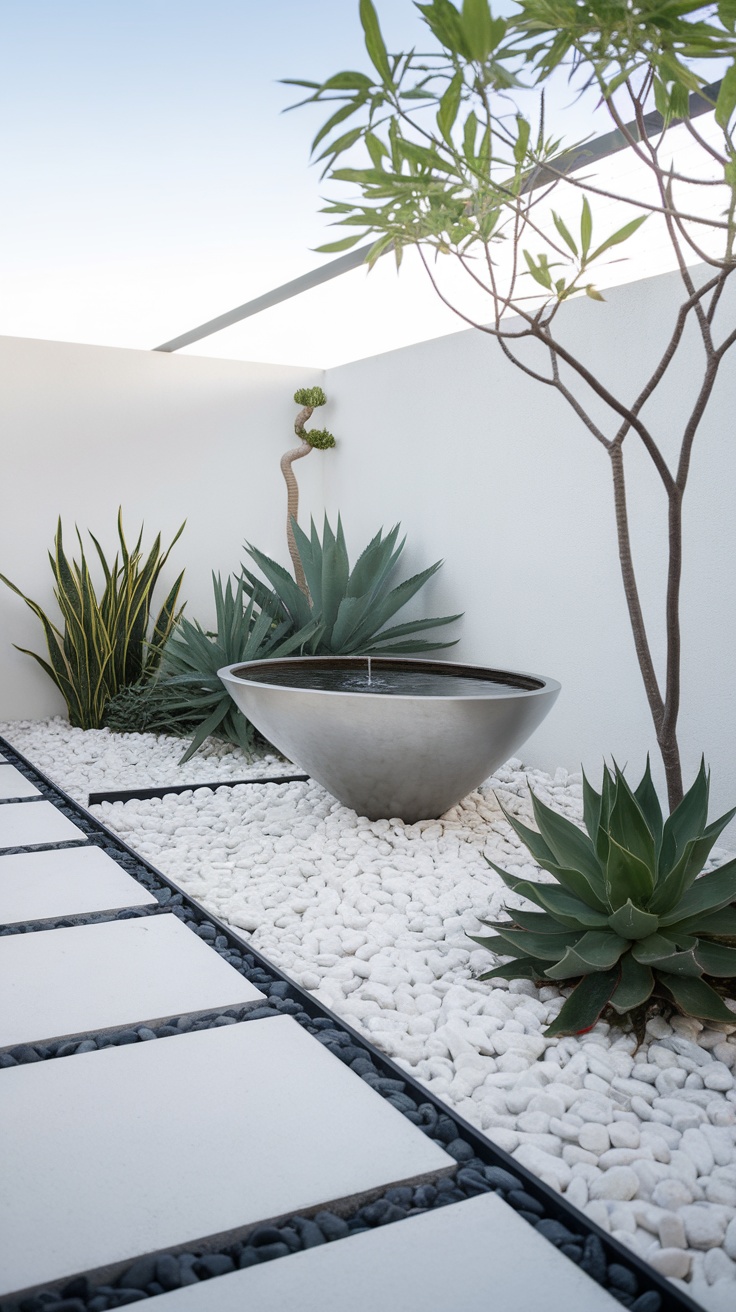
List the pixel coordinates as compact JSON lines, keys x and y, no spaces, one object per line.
{"x":544,"y":685}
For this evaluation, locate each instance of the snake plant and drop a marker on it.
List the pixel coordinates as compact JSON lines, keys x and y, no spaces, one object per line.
{"x":629,"y":917}
{"x":349,"y":609}
{"x":107,"y":642}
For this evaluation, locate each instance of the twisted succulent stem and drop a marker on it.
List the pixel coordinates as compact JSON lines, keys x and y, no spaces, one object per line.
{"x":292,"y":492}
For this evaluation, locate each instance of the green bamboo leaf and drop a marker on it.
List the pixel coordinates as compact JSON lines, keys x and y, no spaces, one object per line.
{"x":350,"y":80}
{"x":340,"y":144}
{"x":585,"y":1004}
{"x":538,"y":272}
{"x":339,"y":116}
{"x":727,"y":14}
{"x":374,"y":42}
{"x":726,"y":102}
{"x":521,"y":144}
{"x":564,"y":232}
{"x":470,"y":132}
{"x":617,"y":238}
{"x":477,"y":23}
{"x":586,"y":228}
{"x":449,"y":106}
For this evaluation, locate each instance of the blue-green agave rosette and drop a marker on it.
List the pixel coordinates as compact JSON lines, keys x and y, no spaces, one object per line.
{"x":627,"y":916}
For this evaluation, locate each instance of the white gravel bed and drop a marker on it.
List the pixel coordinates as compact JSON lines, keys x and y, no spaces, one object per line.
{"x":83,"y":761}
{"x":373,"y":918}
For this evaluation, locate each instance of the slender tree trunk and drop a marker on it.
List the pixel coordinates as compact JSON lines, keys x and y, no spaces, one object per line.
{"x":667,"y":736}
{"x":664,"y":710}
{"x":292,"y":491}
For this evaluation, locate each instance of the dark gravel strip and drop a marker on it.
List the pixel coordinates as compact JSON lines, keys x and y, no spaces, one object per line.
{"x":483,"y":1167}
{"x":4,"y":801}
{"x":145,"y":794}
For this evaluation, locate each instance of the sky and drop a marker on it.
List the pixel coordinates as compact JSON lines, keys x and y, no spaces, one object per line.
{"x":149,"y":179}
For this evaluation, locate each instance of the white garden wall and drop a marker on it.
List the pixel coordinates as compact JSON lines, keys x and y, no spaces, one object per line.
{"x":483,"y":467}
{"x":493,"y":472}
{"x":86,"y":429}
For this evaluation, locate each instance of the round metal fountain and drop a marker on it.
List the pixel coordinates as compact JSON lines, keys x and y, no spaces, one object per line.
{"x":391,"y":736}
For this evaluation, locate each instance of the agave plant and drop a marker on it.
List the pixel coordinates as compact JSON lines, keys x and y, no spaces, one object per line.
{"x":108,"y":642}
{"x":626,"y":918}
{"x":348,"y":609}
{"x":187,"y":685}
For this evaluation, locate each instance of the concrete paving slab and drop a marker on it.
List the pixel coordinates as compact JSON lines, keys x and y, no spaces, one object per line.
{"x":15,"y":784}
{"x":30,"y":824}
{"x":61,"y":982}
{"x":474,"y":1255}
{"x":110,"y":1155}
{"x":71,"y":881}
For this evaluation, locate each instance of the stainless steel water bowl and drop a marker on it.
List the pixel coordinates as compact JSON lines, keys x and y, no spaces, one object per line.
{"x":409,"y":755}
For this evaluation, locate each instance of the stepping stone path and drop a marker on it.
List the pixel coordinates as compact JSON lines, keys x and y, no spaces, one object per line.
{"x":15,"y":784}
{"x":118,"y":1153}
{"x":72,"y":881}
{"x":477,"y":1255}
{"x":221,"y":1130}
{"x":35,"y":824}
{"x":101,"y":977}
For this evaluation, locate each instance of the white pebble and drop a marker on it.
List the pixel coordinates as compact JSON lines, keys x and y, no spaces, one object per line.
{"x":619,"y":1183}
{"x":670,"y":1262}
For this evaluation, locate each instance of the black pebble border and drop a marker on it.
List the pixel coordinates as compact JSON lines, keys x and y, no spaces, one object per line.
{"x":482,"y":1167}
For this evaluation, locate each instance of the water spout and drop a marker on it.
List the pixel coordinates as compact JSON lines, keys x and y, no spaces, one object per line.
{"x":369,"y":670}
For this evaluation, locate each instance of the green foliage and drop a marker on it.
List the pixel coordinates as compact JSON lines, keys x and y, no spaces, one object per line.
{"x":451,"y":156}
{"x":146,"y":707}
{"x":319,"y":438}
{"x":106,"y":642}
{"x":627,"y":917}
{"x":347,"y":610}
{"x":187,"y":686}
{"x":312,"y":396}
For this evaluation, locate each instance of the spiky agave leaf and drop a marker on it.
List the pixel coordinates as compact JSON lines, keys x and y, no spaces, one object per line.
{"x":349,"y":609}
{"x":627,"y":916}
{"x":187,"y":687}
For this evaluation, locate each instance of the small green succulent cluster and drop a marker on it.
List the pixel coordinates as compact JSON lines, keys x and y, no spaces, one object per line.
{"x":312,"y":396}
{"x":627,"y":918}
{"x":319,"y":438}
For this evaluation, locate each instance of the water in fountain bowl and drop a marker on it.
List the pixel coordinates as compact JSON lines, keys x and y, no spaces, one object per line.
{"x":383,"y":680}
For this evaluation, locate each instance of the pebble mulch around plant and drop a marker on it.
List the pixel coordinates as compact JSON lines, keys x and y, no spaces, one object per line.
{"x":373,"y":917}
